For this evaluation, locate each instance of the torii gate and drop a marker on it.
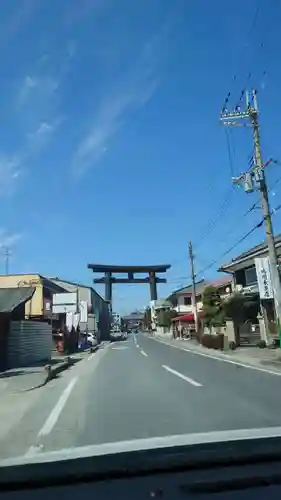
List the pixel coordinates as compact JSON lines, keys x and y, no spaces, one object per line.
{"x":152,"y":279}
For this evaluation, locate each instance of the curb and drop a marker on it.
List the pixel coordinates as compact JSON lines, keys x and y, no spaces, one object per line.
{"x":53,"y":371}
{"x":217,"y":354}
{"x":94,"y":348}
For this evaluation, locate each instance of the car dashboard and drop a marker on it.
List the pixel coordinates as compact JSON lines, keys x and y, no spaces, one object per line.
{"x":244,"y":470}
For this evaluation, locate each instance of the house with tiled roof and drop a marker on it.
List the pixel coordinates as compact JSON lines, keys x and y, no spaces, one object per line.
{"x":182,"y":298}
{"x":242,"y":268}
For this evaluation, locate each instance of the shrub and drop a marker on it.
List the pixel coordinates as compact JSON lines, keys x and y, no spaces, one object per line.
{"x":212,"y":341}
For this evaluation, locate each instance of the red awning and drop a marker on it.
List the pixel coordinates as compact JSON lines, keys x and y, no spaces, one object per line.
{"x":186,"y":317}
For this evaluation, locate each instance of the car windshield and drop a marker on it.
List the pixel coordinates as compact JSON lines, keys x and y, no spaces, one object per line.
{"x":140,"y":291}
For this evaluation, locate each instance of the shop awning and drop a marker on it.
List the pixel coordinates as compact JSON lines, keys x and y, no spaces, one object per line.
{"x":186,"y":317}
{"x":11,"y":298}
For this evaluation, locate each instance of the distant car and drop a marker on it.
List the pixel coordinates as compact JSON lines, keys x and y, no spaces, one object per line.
{"x":115,"y":334}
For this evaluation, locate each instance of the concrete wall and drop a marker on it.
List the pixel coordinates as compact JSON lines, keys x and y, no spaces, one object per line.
{"x":100,"y":309}
{"x":34,"y":306}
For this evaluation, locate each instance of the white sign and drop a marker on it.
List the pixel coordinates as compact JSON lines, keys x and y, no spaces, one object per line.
{"x":64,"y":303}
{"x":264,"y":278}
{"x":83,"y":311}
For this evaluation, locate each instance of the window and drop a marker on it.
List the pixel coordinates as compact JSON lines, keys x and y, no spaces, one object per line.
{"x":250,"y":276}
{"x":187,"y":301}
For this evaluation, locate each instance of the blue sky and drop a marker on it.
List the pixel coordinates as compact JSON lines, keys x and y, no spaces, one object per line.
{"x":111,"y":146}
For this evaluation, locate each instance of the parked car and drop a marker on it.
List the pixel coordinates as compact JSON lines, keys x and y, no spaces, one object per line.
{"x":124,"y":335}
{"x":115,"y":334}
{"x":92,"y":339}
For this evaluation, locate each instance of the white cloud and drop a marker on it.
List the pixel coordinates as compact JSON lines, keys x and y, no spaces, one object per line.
{"x":42,"y":133}
{"x":37,"y":107}
{"x":8,"y":240}
{"x":30,"y":82}
{"x":36,"y":89}
{"x":77,"y":11}
{"x":129,"y":94}
{"x":10,"y":171}
{"x":45,"y":129}
{"x":20,"y":16}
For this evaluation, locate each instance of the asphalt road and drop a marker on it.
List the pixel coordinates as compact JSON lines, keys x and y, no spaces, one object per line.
{"x":142,"y":388}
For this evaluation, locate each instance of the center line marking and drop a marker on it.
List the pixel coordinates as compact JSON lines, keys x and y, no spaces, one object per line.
{"x":56,"y":411}
{"x":143,"y":353}
{"x":180,"y":375}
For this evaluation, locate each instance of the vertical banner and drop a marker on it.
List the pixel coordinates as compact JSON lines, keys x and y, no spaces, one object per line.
{"x":264,"y":278}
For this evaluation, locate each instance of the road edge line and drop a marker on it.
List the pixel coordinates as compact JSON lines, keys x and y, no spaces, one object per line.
{"x":224,"y":359}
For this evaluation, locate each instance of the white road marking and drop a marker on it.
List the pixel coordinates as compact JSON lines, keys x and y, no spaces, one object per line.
{"x":32,"y":450}
{"x":92,"y":355}
{"x":137,"y":345}
{"x":180,"y":375}
{"x":224,"y":359}
{"x":143,"y":353}
{"x":56,"y":411}
{"x":119,"y":348}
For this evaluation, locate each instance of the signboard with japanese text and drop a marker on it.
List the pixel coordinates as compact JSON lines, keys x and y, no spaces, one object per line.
{"x":264,"y":278}
{"x":65,"y":303}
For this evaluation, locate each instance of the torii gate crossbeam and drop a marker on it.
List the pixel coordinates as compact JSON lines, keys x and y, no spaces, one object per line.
{"x":108,"y":279}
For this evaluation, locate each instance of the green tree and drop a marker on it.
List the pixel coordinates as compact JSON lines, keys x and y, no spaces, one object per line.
{"x":241,"y":308}
{"x":147,"y":318}
{"x":213,"y":312}
{"x":165,"y":316}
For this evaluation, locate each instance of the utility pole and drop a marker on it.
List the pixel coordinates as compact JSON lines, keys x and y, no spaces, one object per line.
{"x":255,"y":180}
{"x":7,"y":255}
{"x":191,"y":257}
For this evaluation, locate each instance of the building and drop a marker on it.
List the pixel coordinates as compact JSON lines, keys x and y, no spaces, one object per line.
{"x":243,"y":271}
{"x":22,"y":342}
{"x":242,"y":268}
{"x":133,"y":320}
{"x":115,"y":319}
{"x":155,"y":307}
{"x":182,"y":298}
{"x":39,"y":306}
{"x":97,"y":306}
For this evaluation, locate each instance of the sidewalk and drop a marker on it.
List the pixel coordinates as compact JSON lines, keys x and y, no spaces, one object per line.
{"x":21,"y":388}
{"x":24,"y":379}
{"x":263,"y":358}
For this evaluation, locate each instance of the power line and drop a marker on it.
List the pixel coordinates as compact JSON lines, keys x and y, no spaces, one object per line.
{"x":229,"y":150}
{"x":232,"y":229}
{"x":244,"y":237}
{"x":241,"y":56}
{"x":223,"y":209}
{"x":238,"y":242}
{"x":265,"y":33}
{"x":226,"y":203}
